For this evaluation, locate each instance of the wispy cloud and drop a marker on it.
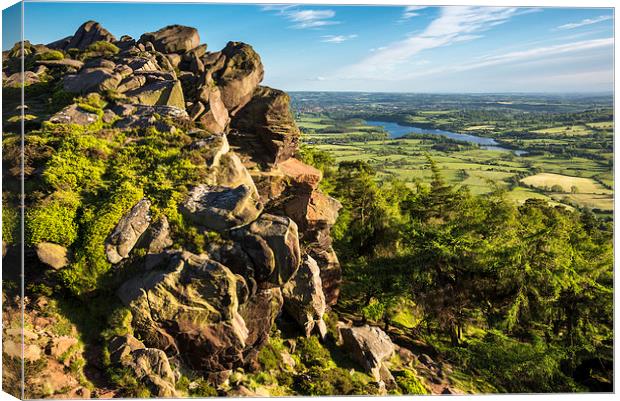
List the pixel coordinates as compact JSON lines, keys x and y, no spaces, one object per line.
{"x":411,"y":11}
{"x":337,"y":38}
{"x":303,"y":19}
{"x":538,"y":54}
{"x":587,"y":21}
{"x":455,"y":24}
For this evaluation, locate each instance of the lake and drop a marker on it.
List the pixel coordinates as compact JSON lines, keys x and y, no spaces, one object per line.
{"x":396,"y":130}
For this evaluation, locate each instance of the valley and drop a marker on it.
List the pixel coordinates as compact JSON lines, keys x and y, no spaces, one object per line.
{"x":556,"y":149}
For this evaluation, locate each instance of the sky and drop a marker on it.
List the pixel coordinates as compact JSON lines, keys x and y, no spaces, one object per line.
{"x":376,"y":48}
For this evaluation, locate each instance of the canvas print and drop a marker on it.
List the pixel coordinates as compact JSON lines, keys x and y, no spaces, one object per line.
{"x":252,"y":200}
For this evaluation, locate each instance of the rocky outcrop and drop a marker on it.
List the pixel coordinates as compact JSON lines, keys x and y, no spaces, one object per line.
{"x":304,"y":299}
{"x":173,"y":39}
{"x":128,"y":231}
{"x":254,"y":210}
{"x":240,"y":75}
{"x":265,"y":128}
{"x":87,"y":34}
{"x":272,"y":243}
{"x":74,"y":114}
{"x":190,"y":309}
{"x":221,"y":208}
{"x":370,"y":347}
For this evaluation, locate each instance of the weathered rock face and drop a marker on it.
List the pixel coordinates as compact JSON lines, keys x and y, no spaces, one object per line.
{"x":190,"y":309}
{"x":53,"y":255}
{"x":173,"y":39}
{"x":210,"y":312}
{"x":164,"y":92}
{"x":221,"y":208}
{"x":73,"y":114}
{"x":128,"y":231}
{"x":241,"y":74}
{"x":304,"y":299}
{"x":87,"y":34}
{"x":272,"y":243}
{"x":266,"y":128}
{"x":370,"y":347}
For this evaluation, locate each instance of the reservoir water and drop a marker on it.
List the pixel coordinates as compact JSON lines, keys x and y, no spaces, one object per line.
{"x":396,"y":130}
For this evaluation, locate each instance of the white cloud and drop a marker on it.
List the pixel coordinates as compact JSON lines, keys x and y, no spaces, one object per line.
{"x":304,"y":19}
{"x":544,"y":54}
{"x":410,"y":12}
{"x":455,"y":24}
{"x":337,"y":38}
{"x":587,"y":21}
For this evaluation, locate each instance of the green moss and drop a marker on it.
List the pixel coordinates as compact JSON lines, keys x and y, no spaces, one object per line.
{"x":79,"y":162}
{"x":103,"y":47}
{"x":97,"y":223}
{"x":53,"y":219}
{"x":10,"y":222}
{"x":50,"y":55}
{"x":312,"y":353}
{"x":27,"y":117}
{"x":409,"y":383}
{"x":201,"y":388}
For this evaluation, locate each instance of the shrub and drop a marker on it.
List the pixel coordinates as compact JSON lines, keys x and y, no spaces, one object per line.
{"x":201,"y":388}
{"x":312,"y":353}
{"x":10,"y":222}
{"x":50,"y":55}
{"x":53,"y":220}
{"x":515,"y":366}
{"x":96,"y":224}
{"x":334,"y":381}
{"x":409,"y":383}
{"x":103,"y":47}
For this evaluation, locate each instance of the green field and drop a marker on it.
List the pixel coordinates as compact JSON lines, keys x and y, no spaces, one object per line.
{"x":571,"y":181}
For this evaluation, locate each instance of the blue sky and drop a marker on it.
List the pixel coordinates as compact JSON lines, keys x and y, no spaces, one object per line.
{"x":378,"y":48}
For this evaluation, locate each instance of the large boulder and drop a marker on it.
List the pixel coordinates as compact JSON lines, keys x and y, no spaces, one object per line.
{"x":272,"y":243}
{"x":266,"y":129}
{"x":259,"y":314}
{"x":331,"y":273}
{"x":53,"y":255}
{"x":89,"y":80}
{"x":151,"y":366}
{"x":313,"y":210}
{"x":241,"y":74}
{"x":300,"y":175}
{"x":160,"y":92}
{"x":163,"y":118}
{"x":74,"y":114}
{"x":173,"y":39}
{"x":156,"y":238}
{"x":87,"y":34}
{"x":304,"y":299}
{"x":128,"y":231}
{"x":212,"y":112}
{"x":190,"y":309}
{"x":370,"y":347}
{"x":221,"y":208}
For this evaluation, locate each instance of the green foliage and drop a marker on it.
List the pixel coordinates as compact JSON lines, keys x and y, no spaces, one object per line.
{"x":515,"y":366}
{"x":10,"y":222}
{"x":50,"y":55}
{"x":79,"y":162}
{"x":96,"y":223}
{"x":103,"y":47}
{"x":311,"y":352}
{"x":202,"y":388}
{"x":53,"y":219}
{"x":125,"y":379}
{"x":269,"y":356}
{"x":467,"y":263}
{"x":409,"y":383}
{"x":333,"y":381}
